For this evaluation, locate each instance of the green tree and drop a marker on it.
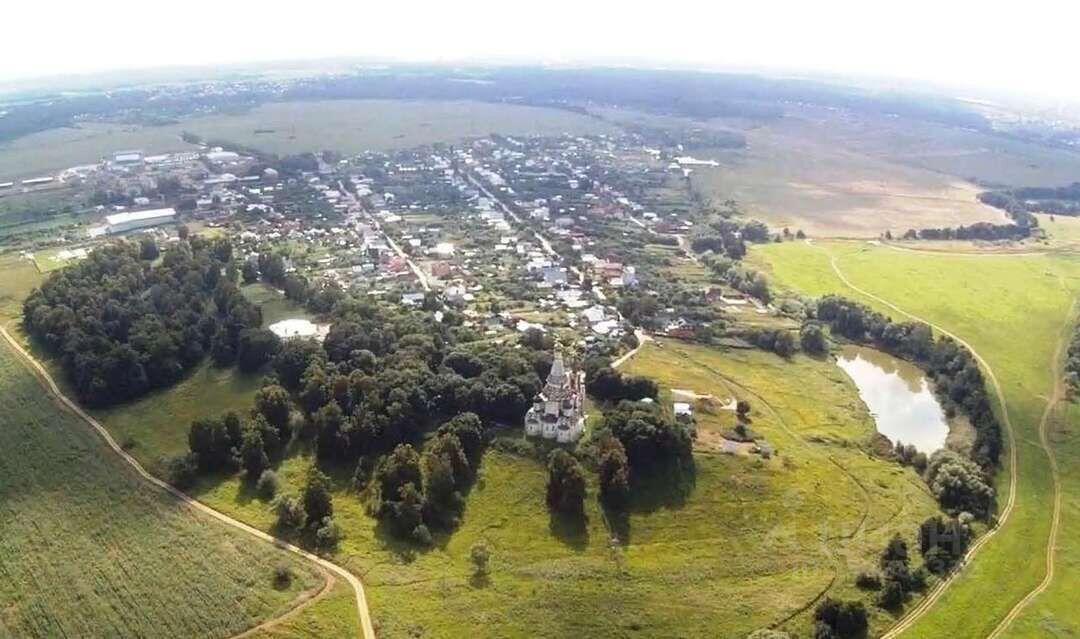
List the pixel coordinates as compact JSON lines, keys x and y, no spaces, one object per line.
{"x":148,"y":249}
{"x":812,"y":338}
{"x":290,"y":513}
{"x":469,"y":431}
{"x":614,"y":471}
{"x":566,"y":483}
{"x":273,"y":403}
{"x":252,"y":454}
{"x":480,"y":555}
{"x":318,"y":503}
{"x":256,"y":347}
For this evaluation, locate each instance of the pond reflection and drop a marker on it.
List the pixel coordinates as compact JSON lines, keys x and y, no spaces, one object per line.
{"x":898,"y":396}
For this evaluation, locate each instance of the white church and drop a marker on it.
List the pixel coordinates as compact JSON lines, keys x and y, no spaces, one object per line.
{"x":557,"y":412}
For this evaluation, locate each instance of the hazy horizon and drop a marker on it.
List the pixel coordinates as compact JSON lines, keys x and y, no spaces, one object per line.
{"x":960,"y":46}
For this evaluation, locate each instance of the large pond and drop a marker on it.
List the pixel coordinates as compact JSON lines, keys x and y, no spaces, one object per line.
{"x":898,"y":396}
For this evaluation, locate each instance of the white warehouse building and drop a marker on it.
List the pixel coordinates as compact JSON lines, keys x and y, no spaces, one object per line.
{"x":121,"y":222}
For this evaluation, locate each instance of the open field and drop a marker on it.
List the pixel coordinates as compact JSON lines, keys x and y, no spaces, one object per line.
{"x":50,"y":151}
{"x":352,"y":126}
{"x":1012,"y":309}
{"x":841,"y":174}
{"x":347,"y":126}
{"x":89,"y":549}
{"x":275,"y":307}
{"x":20,"y":276}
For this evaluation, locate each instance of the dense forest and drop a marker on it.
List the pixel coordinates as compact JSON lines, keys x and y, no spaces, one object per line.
{"x":122,"y":326}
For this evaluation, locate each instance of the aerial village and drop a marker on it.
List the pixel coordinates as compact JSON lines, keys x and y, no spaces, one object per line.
{"x":553,"y":236}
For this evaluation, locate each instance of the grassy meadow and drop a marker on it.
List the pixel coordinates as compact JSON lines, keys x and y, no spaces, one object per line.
{"x":89,"y":549}
{"x":1012,"y":309}
{"x":741,"y":544}
{"x":332,"y":615}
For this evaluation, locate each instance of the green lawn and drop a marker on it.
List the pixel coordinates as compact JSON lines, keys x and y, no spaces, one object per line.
{"x":1012,"y":310}
{"x":88,"y":549}
{"x":273,"y":304}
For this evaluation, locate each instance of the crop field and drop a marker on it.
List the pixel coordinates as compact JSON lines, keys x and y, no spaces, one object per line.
{"x":838,"y":174}
{"x":718,"y":545}
{"x":88,"y":549}
{"x":1013,"y":310}
{"x":352,"y":126}
{"x":347,"y":126}
{"x":50,"y":151}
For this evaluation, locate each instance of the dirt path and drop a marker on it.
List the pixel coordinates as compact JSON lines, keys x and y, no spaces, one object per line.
{"x":642,"y":337}
{"x":1056,"y":369}
{"x":915,"y":613}
{"x":367,"y":630}
{"x":306,"y":601}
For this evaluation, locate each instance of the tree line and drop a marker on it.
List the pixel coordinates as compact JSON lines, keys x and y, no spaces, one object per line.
{"x":1061,"y":200}
{"x":958,"y":483}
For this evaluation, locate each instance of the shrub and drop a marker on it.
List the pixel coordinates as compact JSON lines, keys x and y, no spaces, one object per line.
{"x":290,"y":512}
{"x":183,"y":470}
{"x":842,"y":619}
{"x":267,"y":485}
{"x":958,"y":484}
{"x":283,"y":576}
{"x":328,"y":534}
{"x":480,"y":555}
{"x":868,"y":580}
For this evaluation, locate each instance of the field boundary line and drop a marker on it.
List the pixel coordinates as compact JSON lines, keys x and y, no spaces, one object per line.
{"x":938,"y":590}
{"x":1055,"y":522}
{"x":367,"y":630}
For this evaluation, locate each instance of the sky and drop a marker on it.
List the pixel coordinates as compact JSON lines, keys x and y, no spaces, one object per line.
{"x":1026,"y":48}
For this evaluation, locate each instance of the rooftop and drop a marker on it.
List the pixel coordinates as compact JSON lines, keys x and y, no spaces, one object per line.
{"x":135,"y":216}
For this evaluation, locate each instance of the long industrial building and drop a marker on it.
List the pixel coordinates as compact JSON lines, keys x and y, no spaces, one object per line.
{"x":122,"y":222}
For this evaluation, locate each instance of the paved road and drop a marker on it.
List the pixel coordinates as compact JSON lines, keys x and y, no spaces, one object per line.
{"x":367,"y":631}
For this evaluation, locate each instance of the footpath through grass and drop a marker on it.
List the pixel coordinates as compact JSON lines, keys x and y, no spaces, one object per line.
{"x":1012,"y":309}
{"x":88,"y":549}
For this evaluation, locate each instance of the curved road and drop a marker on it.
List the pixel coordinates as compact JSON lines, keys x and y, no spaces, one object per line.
{"x":1051,"y":544}
{"x":923,"y":606}
{"x":366,"y":628}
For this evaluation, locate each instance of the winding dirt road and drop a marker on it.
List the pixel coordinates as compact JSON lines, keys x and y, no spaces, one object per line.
{"x":367,"y":630}
{"x":1056,"y":369}
{"x":923,"y":606}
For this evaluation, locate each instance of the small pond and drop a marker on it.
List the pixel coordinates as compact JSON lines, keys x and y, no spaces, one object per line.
{"x":898,"y":396}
